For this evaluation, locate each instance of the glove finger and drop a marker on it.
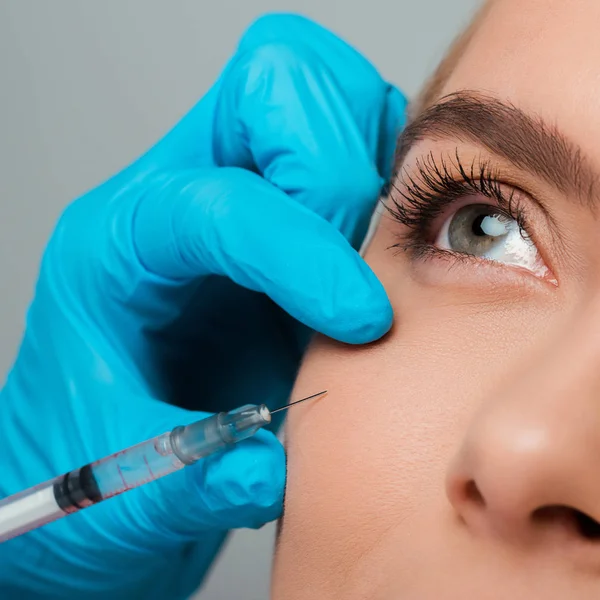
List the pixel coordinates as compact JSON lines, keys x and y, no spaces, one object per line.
{"x":310,"y":122}
{"x":190,"y":144}
{"x":292,"y":29}
{"x":231,"y":222}
{"x":239,"y":487}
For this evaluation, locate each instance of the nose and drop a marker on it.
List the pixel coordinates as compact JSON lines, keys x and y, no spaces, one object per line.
{"x":528,"y":468}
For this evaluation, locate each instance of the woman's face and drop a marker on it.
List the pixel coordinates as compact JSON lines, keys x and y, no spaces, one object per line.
{"x":459,"y":457}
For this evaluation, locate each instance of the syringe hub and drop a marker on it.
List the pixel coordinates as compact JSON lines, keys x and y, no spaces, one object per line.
{"x":206,"y":436}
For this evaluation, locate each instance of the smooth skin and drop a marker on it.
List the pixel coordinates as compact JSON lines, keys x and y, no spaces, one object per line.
{"x":424,"y":472}
{"x":191,"y":282}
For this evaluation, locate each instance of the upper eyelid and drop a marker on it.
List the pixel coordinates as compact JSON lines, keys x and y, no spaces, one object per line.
{"x":524,"y":140}
{"x":505,"y":173}
{"x":437,"y":186}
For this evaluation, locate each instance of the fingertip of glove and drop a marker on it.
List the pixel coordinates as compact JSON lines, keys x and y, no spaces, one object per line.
{"x":277,"y":26}
{"x":368,"y":318}
{"x":397,"y":104}
{"x":353,"y":305}
{"x":248,"y":480}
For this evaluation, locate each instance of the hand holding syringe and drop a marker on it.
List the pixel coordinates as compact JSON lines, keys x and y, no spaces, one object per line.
{"x":130,"y":468}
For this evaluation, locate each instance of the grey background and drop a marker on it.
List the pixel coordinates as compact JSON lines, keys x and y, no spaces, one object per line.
{"x":85,"y":87}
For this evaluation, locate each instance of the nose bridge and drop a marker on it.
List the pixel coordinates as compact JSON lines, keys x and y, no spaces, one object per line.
{"x":537,"y":444}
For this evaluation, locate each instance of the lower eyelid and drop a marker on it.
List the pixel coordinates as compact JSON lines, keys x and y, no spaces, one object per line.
{"x":493,"y":270}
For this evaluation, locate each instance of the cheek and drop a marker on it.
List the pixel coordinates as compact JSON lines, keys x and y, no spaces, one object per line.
{"x":370,"y":457}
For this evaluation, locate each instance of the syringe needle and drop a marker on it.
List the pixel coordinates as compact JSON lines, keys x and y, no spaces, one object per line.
{"x":286,"y":406}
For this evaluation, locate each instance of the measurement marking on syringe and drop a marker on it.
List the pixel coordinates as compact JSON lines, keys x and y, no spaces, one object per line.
{"x":122,"y":478}
{"x":149,"y":469}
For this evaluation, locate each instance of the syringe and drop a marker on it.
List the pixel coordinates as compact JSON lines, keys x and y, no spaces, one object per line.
{"x":130,"y":468}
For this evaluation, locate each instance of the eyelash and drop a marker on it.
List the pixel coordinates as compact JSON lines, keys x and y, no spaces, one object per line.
{"x":418,"y":202}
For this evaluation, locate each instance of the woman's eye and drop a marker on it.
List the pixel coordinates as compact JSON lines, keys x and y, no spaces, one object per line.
{"x":484,"y":231}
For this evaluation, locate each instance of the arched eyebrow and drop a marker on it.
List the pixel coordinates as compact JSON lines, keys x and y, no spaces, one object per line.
{"x":505,"y":130}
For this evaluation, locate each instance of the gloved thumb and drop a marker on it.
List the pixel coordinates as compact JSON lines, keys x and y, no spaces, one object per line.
{"x":241,"y":486}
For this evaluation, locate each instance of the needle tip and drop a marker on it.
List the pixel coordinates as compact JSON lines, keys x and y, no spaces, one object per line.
{"x":286,"y":406}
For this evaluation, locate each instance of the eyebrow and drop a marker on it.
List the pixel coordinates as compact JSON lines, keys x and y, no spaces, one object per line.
{"x":524,"y":140}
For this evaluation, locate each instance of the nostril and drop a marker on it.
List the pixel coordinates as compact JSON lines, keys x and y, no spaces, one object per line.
{"x":589,"y":528}
{"x":577,"y":521}
{"x":473,"y":494}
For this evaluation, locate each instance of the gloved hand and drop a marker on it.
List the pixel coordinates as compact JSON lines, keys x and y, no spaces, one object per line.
{"x":190,"y":282}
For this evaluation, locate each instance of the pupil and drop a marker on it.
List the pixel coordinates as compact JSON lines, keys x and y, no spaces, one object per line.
{"x":476,"y":226}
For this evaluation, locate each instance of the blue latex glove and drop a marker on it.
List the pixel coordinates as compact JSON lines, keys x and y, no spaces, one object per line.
{"x":181,"y":285}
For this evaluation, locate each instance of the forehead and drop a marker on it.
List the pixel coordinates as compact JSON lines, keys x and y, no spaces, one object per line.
{"x":544,"y":57}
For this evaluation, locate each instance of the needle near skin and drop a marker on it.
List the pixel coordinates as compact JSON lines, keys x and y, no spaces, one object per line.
{"x":297,"y":402}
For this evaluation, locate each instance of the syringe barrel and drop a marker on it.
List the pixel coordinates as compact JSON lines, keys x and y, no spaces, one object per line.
{"x":127,"y":469}
{"x":202,"y":438}
{"x":134,"y":466}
